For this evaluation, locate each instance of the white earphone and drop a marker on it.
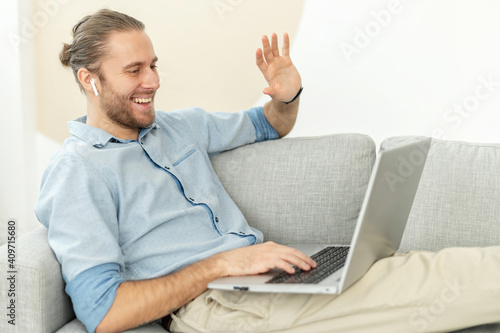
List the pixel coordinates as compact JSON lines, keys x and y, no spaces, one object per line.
{"x":92,"y":83}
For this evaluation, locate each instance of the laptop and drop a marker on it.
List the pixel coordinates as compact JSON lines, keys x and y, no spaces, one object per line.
{"x":378,"y":232}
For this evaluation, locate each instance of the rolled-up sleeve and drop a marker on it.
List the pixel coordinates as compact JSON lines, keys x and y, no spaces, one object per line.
{"x":93,"y":292}
{"x":77,"y":207}
{"x":263,"y":129}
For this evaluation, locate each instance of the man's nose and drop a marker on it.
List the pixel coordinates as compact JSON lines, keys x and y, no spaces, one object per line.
{"x":151,"y":79}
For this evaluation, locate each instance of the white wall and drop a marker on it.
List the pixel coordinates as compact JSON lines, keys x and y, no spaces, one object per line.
{"x":18,"y":167}
{"x":379,"y":67}
{"x":396,"y":67}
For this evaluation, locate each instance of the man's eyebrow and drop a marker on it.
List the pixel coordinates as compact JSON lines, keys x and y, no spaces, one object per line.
{"x":139,"y":63}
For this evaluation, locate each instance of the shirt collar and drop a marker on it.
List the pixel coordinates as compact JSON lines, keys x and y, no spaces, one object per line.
{"x":98,"y":137}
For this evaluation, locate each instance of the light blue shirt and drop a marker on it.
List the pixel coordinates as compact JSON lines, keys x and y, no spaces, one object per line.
{"x":120,"y":210}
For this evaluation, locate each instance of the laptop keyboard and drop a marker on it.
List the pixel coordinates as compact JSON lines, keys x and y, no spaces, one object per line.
{"x":328,"y":259}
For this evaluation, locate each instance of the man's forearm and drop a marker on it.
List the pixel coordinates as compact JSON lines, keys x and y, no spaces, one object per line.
{"x":281,"y":116}
{"x":139,"y":302}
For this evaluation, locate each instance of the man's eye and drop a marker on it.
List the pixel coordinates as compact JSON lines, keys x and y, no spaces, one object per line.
{"x":154,"y":67}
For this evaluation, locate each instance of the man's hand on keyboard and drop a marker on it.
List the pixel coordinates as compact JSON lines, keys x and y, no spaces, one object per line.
{"x":261,"y":258}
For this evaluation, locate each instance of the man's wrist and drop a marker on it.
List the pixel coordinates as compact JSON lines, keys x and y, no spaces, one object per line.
{"x":214,"y":267}
{"x":296,"y":96}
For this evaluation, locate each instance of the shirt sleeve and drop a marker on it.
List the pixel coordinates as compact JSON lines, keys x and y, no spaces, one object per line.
{"x":263,"y":129}
{"x":216,"y":132}
{"x":77,"y":207}
{"x":93,"y":292}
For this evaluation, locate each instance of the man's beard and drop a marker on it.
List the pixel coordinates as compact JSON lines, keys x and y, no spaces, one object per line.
{"x":120,"y":111}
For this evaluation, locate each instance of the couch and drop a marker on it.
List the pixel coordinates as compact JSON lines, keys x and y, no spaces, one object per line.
{"x":304,"y":190}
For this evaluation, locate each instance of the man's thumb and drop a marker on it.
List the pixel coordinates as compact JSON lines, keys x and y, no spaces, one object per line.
{"x":268,"y":91}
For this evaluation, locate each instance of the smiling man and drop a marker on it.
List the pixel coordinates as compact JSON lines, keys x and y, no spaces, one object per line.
{"x":127,"y":81}
{"x":141,"y":224}
{"x":135,"y":213}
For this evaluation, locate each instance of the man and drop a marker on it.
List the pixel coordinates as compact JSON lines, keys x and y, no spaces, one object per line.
{"x":134,"y":211}
{"x":140,"y":223}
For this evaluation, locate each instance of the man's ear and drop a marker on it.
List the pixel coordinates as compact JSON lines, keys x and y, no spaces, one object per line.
{"x":85,"y":76}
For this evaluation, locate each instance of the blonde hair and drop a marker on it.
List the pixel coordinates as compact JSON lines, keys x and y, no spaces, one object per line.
{"x":90,"y":37}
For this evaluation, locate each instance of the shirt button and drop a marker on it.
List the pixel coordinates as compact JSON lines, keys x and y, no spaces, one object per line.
{"x":191,"y":199}
{"x":166,"y":167}
{"x":216,"y":219}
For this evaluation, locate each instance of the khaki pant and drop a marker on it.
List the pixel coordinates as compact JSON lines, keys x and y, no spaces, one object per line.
{"x":418,"y":291}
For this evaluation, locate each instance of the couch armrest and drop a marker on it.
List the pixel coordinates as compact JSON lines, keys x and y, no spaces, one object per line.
{"x":42,"y":305}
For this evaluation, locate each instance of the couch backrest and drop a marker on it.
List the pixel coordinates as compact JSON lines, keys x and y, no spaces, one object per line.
{"x":458,"y":199}
{"x":300,"y":190}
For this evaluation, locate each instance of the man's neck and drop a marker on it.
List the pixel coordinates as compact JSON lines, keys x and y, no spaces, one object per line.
{"x":112,"y":128}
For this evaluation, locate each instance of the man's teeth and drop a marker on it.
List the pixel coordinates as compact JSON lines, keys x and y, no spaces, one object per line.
{"x":141,"y":100}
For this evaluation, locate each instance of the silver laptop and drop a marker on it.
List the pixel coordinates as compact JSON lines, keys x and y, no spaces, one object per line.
{"x":381,"y":223}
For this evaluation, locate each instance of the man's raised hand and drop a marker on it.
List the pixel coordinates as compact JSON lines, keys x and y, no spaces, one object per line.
{"x":280,"y":73}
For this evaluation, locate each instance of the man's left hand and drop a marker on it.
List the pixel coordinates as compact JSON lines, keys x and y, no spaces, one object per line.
{"x":280,"y":73}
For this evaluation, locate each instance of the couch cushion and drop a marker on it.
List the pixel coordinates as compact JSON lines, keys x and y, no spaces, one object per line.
{"x":458,"y":199}
{"x":300,"y":190}
{"x":41,"y":303}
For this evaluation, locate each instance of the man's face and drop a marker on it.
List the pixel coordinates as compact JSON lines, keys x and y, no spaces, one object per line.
{"x":129,"y":80}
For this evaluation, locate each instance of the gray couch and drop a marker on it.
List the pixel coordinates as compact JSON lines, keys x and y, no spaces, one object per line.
{"x":304,"y":190}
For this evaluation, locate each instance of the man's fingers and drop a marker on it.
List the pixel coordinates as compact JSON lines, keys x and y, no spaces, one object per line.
{"x":294,"y":257}
{"x":286,"y":262}
{"x":260,"y":61}
{"x":284,"y":265}
{"x":267,"y":49}
{"x":274,"y":45}
{"x":302,"y":261}
{"x":286,"y":45}
{"x":262,"y":257}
